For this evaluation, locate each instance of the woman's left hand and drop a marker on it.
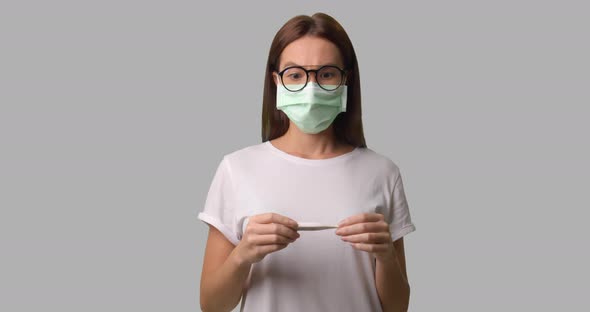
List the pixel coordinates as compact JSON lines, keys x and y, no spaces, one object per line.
{"x":367,"y":232}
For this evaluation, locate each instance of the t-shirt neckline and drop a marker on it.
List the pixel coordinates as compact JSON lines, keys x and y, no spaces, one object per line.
{"x":308,"y":161}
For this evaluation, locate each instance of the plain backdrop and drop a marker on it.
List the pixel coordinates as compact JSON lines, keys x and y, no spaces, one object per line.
{"x":115,"y":114}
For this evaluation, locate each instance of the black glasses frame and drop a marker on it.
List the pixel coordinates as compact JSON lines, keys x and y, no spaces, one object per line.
{"x":343,"y":73}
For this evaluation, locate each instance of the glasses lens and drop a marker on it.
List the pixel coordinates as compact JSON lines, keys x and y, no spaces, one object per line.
{"x":329,"y":78}
{"x":294,"y":78}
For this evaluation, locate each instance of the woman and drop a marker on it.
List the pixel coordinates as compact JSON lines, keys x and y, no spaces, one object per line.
{"x":312,"y":166}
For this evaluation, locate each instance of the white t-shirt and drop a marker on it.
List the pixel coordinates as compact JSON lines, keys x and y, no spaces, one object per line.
{"x":319,"y":271}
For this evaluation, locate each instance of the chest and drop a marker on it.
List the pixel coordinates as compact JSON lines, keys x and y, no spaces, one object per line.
{"x":325,"y":195}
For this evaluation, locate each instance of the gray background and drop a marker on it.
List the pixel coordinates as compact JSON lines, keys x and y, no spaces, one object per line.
{"x":115,"y":114}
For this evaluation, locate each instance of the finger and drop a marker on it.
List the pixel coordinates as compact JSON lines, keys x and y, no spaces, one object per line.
{"x":370,"y":247}
{"x":269,"y":239}
{"x":368,"y":238}
{"x":272,"y":217}
{"x":362,"y":217}
{"x":272,"y":228}
{"x":367,"y":227}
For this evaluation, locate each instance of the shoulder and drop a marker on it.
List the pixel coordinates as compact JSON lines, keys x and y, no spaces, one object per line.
{"x":378,"y":161}
{"x":244,"y":155}
{"x":381,"y":167}
{"x":246,"y":151}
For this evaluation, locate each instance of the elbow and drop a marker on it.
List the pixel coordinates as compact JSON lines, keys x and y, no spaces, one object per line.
{"x":398,"y":303}
{"x":209,"y":306}
{"x":203,"y":298}
{"x":204,"y":306}
{"x":405,"y":304}
{"x":206,"y":309}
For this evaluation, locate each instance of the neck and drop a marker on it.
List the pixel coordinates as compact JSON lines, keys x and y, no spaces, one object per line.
{"x":296,"y":141}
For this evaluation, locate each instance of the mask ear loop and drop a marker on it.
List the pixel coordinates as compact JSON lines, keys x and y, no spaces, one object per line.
{"x":343,"y":96}
{"x":279,"y":81}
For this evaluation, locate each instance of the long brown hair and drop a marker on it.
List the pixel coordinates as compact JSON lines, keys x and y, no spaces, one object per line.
{"x":348,"y":126}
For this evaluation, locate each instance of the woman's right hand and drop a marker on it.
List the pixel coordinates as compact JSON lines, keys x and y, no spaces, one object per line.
{"x":264,"y":234}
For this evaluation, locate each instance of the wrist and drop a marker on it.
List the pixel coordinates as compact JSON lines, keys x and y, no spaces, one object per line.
{"x":386,"y":256}
{"x":237,"y":259}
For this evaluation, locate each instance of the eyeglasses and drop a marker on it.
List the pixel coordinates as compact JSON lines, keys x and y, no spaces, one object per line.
{"x":328,"y":77}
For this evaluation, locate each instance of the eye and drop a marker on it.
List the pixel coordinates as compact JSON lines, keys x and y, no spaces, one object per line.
{"x":329,"y":73}
{"x":294,"y":75}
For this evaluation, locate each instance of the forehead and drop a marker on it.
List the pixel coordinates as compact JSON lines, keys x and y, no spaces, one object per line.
{"x":310,"y":50}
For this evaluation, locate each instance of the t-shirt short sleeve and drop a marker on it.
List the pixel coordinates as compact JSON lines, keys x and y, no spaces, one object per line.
{"x":400,"y":221}
{"x":220,"y":204}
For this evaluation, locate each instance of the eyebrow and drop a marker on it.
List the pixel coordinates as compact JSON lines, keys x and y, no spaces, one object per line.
{"x":293,"y":64}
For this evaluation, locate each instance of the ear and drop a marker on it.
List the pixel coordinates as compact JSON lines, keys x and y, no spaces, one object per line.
{"x":275,"y":78}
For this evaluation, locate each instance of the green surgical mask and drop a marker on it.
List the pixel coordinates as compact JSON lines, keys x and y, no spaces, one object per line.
{"x":312,"y":109}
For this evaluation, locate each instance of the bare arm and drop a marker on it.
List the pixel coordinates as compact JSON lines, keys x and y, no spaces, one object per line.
{"x":223,"y":274}
{"x":392,"y":280}
{"x":369,"y":232}
{"x":226,"y":267}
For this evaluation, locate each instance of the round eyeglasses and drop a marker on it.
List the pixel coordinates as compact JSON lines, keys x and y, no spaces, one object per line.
{"x":328,"y":77}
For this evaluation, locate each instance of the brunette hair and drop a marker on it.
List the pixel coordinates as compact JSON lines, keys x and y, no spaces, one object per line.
{"x":348,"y":126}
